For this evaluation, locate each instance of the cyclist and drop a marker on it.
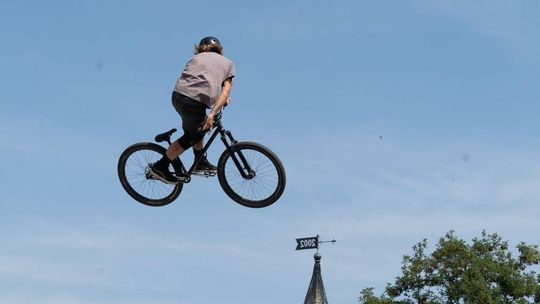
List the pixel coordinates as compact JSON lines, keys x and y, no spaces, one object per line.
{"x":205,"y":83}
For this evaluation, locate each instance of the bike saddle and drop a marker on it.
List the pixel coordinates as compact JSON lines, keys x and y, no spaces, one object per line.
{"x":164,"y":136}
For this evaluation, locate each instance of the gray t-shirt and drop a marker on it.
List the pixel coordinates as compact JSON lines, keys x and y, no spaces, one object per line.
{"x":203,"y":77}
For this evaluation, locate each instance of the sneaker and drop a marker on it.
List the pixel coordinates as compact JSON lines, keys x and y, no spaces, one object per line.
{"x":163,"y":174}
{"x":205,"y":165}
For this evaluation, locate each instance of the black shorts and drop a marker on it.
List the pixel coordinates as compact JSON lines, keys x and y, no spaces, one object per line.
{"x":193,"y":112}
{"x":193,"y":115}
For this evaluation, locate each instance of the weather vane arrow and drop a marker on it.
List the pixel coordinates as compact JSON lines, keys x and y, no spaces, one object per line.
{"x":310,"y":243}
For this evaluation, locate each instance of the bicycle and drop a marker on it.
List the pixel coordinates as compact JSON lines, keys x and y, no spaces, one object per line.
{"x":249,"y":173}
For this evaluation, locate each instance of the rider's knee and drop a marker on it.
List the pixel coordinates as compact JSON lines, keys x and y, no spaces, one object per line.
{"x":189,"y":139}
{"x":184,"y":142}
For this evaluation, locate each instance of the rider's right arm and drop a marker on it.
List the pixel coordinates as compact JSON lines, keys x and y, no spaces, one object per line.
{"x":223,"y":96}
{"x":221,"y":100}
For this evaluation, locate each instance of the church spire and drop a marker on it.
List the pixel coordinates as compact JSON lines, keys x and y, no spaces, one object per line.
{"x":316,"y":293}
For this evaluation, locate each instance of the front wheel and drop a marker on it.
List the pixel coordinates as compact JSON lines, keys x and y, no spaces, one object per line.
{"x":133,"y":171}
{"x":252,"y":176}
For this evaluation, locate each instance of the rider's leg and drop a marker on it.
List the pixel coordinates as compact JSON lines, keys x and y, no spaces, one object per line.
{"x":198,"y":145}
{"x":193,"y":114}
{"x":203,"y":164}
{"x":192,"y":137}
{"x":161,"y":167}
{"x":197,"y":149}
{"x":174,"y":151}
{"x":178,"y":147}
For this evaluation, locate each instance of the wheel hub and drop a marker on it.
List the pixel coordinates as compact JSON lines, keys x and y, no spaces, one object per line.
{"x":251,"y":174}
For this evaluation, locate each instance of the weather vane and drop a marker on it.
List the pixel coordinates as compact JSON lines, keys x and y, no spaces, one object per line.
{"x":310,"y":243}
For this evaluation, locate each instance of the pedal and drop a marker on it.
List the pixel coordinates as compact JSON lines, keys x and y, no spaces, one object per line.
{"x":205,"y":173}
{"x":182,"y":179}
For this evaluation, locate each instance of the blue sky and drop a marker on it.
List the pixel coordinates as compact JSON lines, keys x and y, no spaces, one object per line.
{"x":396,"y":121}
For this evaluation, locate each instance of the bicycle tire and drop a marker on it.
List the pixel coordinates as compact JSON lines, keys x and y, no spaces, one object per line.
{"x":265,"y":169}
{"x":151,"y":152}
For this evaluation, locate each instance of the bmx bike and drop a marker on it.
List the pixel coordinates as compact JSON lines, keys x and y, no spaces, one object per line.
{"x":249,"y":173}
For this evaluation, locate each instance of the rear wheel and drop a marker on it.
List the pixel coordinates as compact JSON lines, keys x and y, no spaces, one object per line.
{"x":263,"y":181}
{"x":133,"y":169}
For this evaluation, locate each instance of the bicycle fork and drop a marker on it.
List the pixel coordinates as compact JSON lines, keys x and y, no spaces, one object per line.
{"x":237,"y":156}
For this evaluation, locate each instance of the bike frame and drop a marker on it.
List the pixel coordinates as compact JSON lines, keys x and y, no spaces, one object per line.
{"x":229,"y":141}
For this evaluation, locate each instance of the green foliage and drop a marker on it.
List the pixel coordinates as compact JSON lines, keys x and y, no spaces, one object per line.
{"x":484,"y":272}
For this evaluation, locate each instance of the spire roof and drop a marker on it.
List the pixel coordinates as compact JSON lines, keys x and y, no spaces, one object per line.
{"x":316,"y":293}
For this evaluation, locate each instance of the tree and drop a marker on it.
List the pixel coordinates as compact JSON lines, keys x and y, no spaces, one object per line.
{"x":484,"y":272}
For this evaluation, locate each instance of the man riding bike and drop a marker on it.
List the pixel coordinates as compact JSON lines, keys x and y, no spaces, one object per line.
{"x":205,"y":83}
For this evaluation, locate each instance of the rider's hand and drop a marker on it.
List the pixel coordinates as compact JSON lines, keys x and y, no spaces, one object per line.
{"x":209,"y":123}
{"x":227,"y":102}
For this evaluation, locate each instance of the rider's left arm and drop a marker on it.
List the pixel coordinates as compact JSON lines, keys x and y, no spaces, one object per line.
{"x":221,"y":101}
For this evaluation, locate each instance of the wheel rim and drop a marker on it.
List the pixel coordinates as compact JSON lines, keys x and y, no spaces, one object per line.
{"x":261,"y":184}
{"x":136,"y":173}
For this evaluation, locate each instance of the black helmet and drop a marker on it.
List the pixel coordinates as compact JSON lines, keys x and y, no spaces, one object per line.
{"x":210,"y":41}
